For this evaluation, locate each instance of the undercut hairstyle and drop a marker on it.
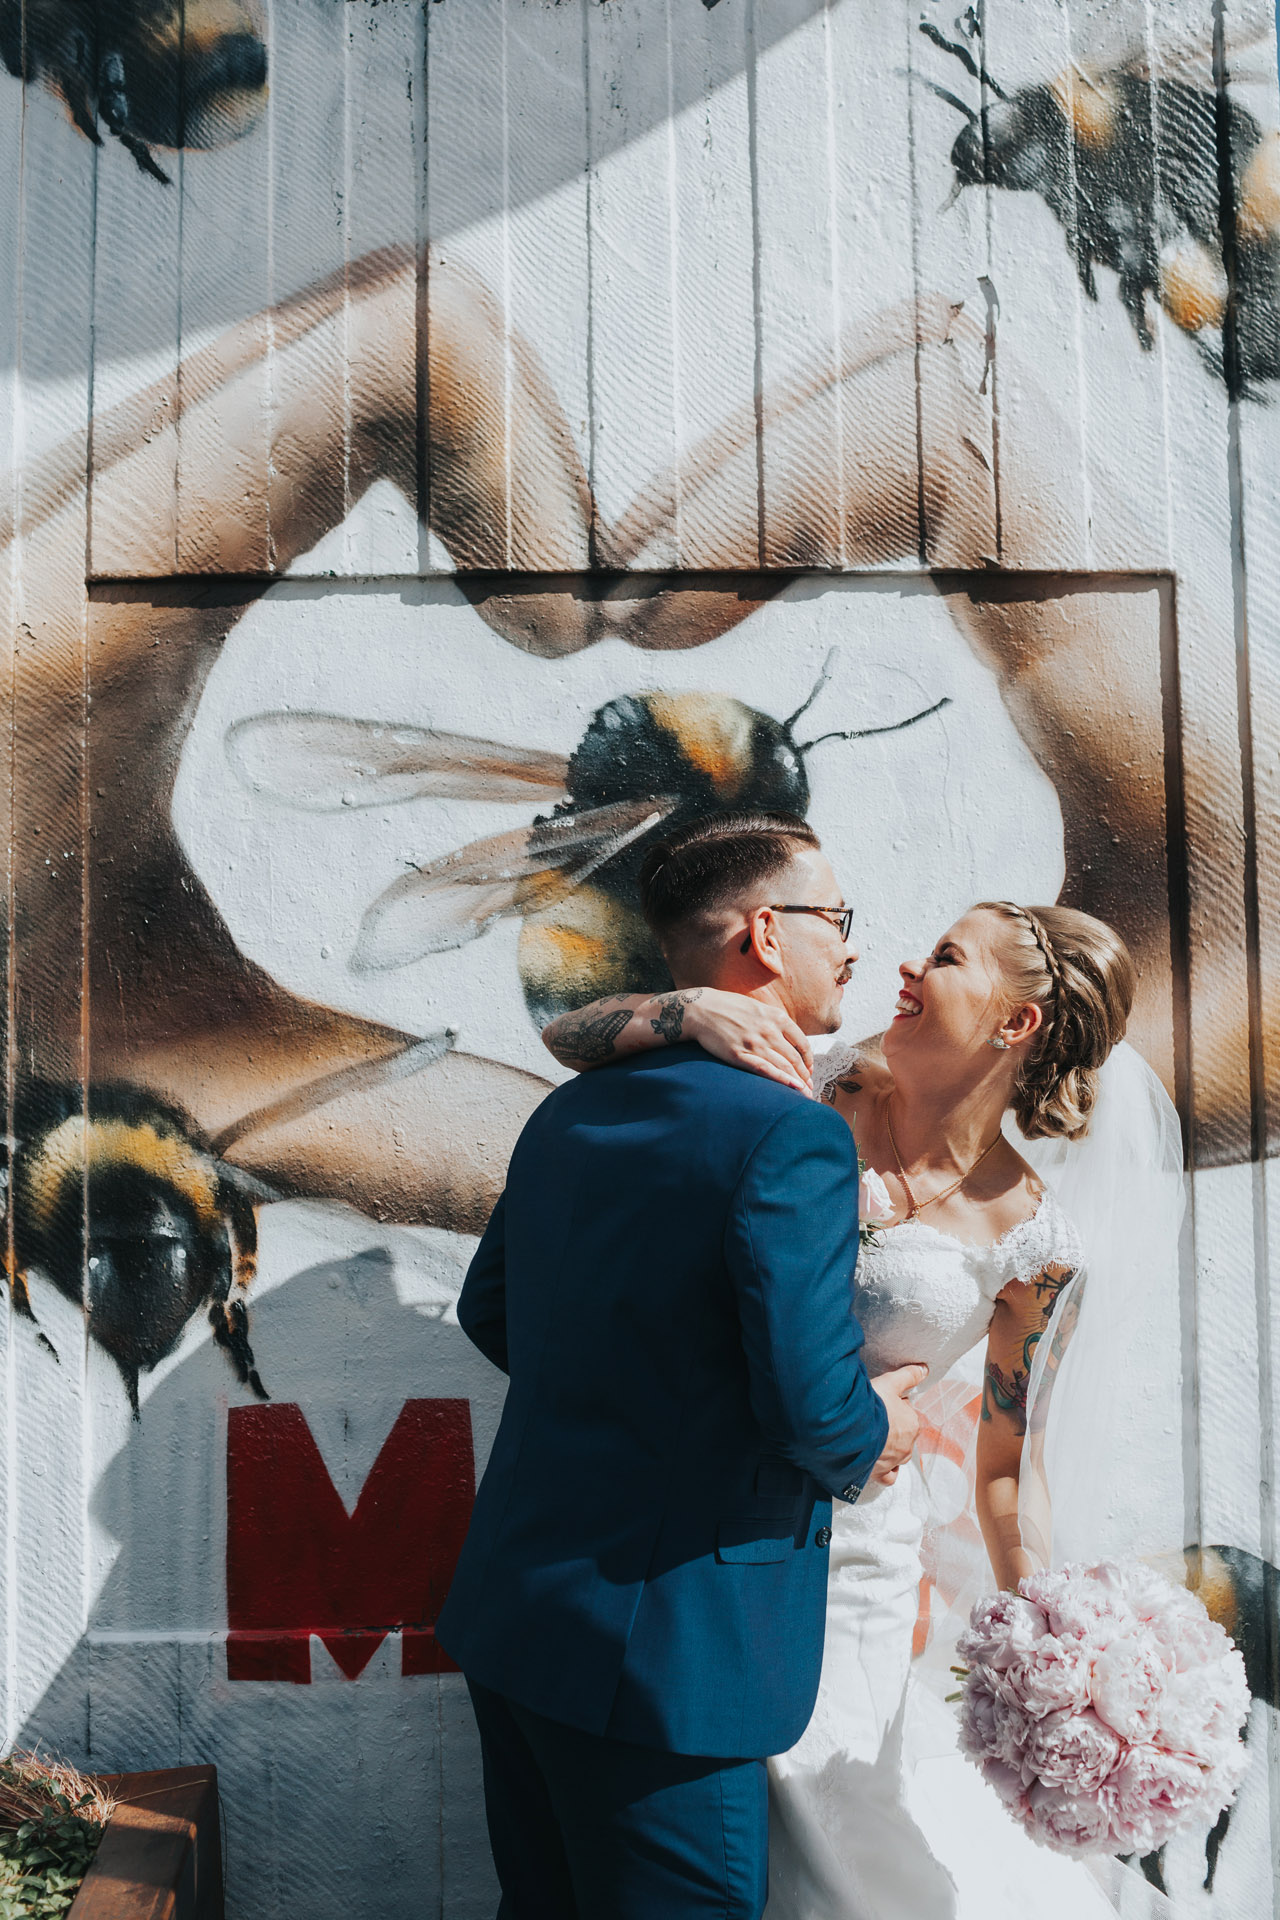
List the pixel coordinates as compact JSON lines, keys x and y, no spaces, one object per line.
{"x":722,"y":861}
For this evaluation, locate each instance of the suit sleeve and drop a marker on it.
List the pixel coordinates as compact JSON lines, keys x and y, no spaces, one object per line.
{"x":482,"y":1304}
{"x":791,"y":1243}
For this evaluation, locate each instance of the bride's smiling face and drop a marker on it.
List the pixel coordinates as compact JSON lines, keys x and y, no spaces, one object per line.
{"x":951,"y":1002}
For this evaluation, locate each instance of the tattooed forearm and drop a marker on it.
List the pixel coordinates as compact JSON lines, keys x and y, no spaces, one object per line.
{"x":588,"y":1037}
{"x":670,"y":1020}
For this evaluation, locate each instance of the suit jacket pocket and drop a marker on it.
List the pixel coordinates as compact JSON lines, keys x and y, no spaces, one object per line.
{"x":753,"y":1539}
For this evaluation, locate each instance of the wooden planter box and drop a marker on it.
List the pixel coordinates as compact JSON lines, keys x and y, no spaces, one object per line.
{"x":161,"y":1855}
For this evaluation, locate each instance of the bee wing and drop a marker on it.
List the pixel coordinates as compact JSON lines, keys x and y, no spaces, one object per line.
{"x":321,"y":762}
{"x":1188,"y":56}
{"x":455,"y":898}
{"x":363,"y":1077}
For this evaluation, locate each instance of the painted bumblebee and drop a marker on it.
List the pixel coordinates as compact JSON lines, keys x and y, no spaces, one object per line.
{"x":154,"y":73}
{"x":1136,"y":171}
{"x":132,"y":1212}
{"x":646,"y":760}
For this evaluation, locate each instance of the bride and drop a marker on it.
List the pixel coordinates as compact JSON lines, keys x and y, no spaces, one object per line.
{"x":873,"y":1815}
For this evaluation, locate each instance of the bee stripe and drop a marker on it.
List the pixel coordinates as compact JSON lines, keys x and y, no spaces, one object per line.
{"x":712,"y":732}
{"x":1091,"y":108}
{"x":114,"y":1143}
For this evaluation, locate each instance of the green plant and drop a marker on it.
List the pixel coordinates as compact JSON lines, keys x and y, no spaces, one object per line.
{"x":51,"y":1820}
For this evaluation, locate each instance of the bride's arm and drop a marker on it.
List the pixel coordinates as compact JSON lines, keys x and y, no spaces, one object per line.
{"x":754,"y":1034}
{"x":1022,"y":1313}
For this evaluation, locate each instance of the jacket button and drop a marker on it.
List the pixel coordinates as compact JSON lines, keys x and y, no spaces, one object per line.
{"x":822,"y":1538}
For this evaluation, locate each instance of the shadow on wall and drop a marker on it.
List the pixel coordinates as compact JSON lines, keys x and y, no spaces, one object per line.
{"x":332,"y":1785}
{"x":214,"y":76}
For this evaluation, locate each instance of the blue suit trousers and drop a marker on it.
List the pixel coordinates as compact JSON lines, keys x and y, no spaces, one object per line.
{"x":584,"y":1827}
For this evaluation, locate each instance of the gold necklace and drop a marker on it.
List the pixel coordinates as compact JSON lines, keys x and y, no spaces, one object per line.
{"x":917,"y":1207}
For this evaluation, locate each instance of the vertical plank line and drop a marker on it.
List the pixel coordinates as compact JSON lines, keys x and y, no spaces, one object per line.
{"x":837,"y":303}
{"x":9,"y":1546}
{"x":269,"y":353}
{"x":757,"y":291}
{"x":86,"y":1038}
{"x":422,"y":303}
{"x":508,"y":355}
{"x":1232,"y":369}
{"x":588,"y":162}
{"x":180,"y":181}
{"x":922,"y":526}
{"x":990,"y":295}
{"x":673,"y":270}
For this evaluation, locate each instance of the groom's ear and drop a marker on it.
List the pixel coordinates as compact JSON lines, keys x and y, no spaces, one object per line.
{"x":762,"y":940}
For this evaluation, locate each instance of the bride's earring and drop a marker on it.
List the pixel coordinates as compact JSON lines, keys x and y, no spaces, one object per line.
{"x":1001,"y":1046}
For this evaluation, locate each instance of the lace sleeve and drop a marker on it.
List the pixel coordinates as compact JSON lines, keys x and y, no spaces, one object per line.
{"x":1047,"y":1239}
{"x":830,"y":1066}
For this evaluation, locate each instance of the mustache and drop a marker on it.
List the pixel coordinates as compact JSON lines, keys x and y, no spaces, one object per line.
{"x":845,"y":974}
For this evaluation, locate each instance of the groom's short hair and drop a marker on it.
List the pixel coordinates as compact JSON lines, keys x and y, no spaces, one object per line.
{"x":723,"y":860}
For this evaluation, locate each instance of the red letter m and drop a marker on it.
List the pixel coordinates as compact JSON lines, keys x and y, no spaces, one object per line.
{"x":298,"y":1563}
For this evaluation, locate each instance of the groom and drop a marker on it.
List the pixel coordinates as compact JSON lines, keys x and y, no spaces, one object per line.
{"x":639,"y":1605}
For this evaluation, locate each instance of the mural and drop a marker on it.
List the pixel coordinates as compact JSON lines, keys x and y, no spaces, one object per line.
{"x":1169,"y":182}
{"x":519,"y":426}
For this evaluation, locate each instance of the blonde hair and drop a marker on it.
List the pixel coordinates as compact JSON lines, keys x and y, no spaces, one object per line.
{"x":1080,"y":973}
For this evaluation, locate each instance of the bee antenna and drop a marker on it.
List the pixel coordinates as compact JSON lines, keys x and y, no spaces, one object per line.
{"x":821,"y":681}
{"x":963,"y":55}
{"x":951,"y":100}
{"x":895,"y":726}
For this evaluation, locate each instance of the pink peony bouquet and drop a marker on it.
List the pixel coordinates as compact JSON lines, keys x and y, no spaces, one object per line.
{"x":1104,"y":1706}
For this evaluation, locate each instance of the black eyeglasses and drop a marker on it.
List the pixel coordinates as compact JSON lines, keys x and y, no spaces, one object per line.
{"x":841,"y":918}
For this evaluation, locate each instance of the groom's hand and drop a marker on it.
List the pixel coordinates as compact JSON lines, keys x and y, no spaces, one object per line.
{"x":904,"y":1421}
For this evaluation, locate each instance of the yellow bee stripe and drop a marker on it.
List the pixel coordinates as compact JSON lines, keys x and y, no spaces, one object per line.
{"x":73,"y":1149}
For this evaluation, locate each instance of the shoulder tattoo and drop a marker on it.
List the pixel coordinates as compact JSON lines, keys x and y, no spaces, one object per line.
{"x":843,"y":1083}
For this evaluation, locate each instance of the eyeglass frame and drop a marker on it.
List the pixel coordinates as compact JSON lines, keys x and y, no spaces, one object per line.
{"x":843,"y":924}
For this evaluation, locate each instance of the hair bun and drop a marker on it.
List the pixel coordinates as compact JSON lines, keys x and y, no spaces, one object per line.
{"x":1079,"y":971}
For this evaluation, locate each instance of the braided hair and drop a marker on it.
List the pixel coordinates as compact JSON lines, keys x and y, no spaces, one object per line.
{"x":1080,"y":973}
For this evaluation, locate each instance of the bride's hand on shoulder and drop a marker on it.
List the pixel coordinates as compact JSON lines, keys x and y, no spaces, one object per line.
{"x":752,"y":1034}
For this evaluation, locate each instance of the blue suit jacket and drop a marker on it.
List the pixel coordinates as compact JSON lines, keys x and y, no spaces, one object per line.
{"x":667,"y":1281}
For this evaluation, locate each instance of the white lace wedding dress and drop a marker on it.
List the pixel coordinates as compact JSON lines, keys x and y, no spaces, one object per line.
{"x":874,"y":1815}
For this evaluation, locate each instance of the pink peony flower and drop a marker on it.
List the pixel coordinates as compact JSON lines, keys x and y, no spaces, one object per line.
{"x":1053,"y":1679}
{"x":1002,"y":1631}
{"x":875,"y":1208}
{"x":1075,"y":1750}
{"x":1068,"y":1822}
{"x":1223,"y":1778}
{"x":1149,"y":1795}
{"x":1081,"y":1605}
{"x":1103,"y":1707}
{"x":1204,"y":1706}
{"x":979,"y":1731}
{"x":1156,"y":1599}
{"x":1007,"y":1782}
{"x":1129,"y":1682}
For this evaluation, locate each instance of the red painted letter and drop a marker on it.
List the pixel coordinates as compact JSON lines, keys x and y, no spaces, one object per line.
{"x":298,"y":1563}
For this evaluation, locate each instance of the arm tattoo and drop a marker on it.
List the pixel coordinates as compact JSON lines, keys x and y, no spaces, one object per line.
{"x":670,"y":1020}
{"x":1008,"y":1391}
{"x":588,"y":1037}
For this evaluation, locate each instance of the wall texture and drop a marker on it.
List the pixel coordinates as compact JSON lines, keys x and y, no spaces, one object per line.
{"x":422,"y":417}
